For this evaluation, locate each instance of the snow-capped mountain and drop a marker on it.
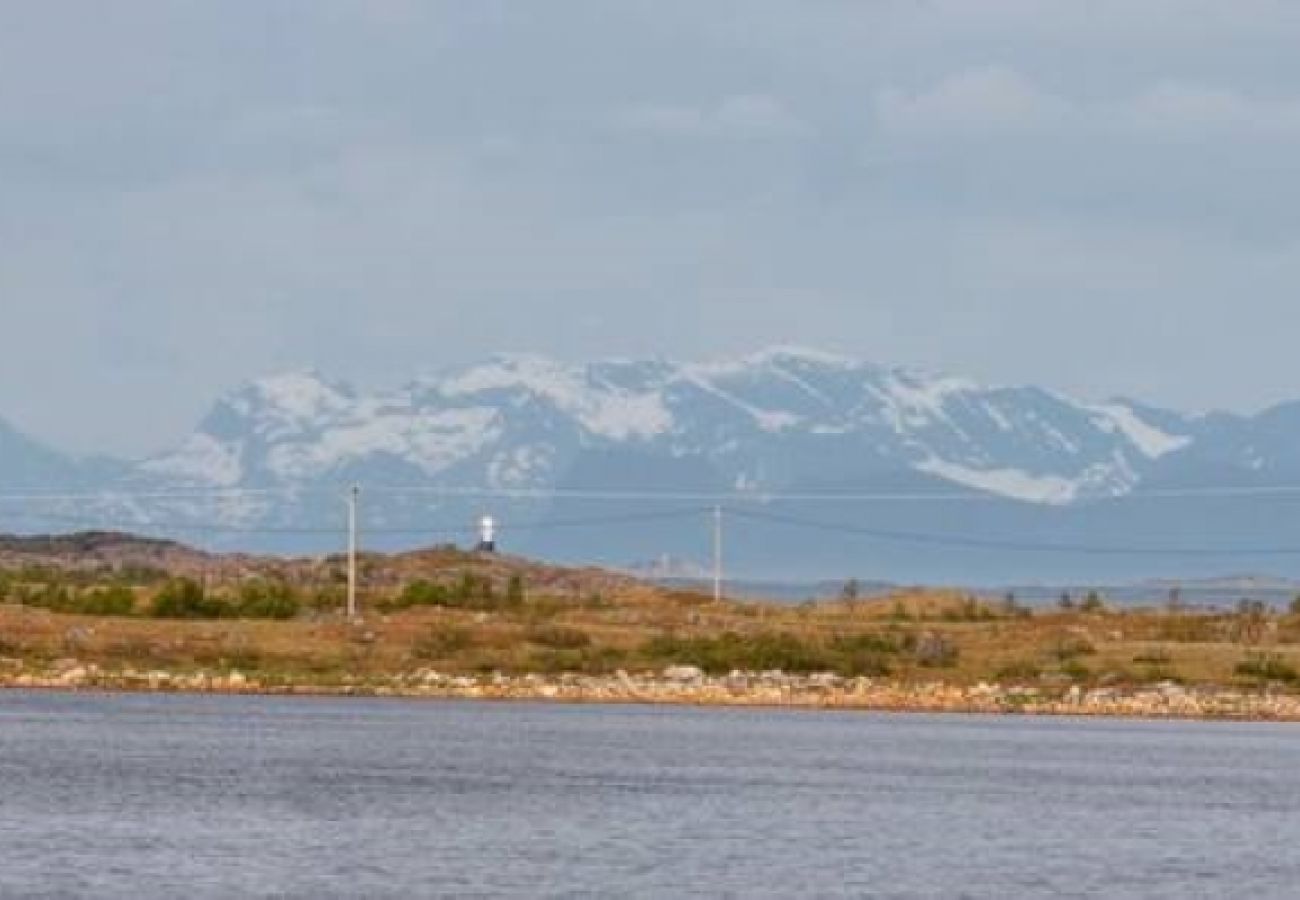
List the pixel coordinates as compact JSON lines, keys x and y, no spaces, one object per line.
{"x":771,"y":421}
{"x":531,"y":440}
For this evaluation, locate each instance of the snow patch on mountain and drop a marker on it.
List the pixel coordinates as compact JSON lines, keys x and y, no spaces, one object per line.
{"x":766,"y":419}
{"x":1150,"y":440}
{"x":603,"y":410}
{"x":202,"y":459}
{"x":433,"y":441}
{"x":1053,"y":490}
{"x":910,"y":401}
{"x":297,"y":397}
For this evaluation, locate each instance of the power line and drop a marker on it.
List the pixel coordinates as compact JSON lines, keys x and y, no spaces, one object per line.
{"x":949,"y":540}
{"x":434,"y":530}
{"x":635,"y":495}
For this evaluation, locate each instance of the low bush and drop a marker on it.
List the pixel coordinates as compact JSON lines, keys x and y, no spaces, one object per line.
{"x":184,"y":598}
{"x":267,"y":600}
{"x":758,"y":652}
{"x":558,"y":637}
{"x":868,"y":643}
{"x":442,"y":642}
{"x":1070,"y":647}
{"x":1019,"y":670}
{"x":469,"y":591}
{"x":114,"y":600}
{"x":1267,"y":667}
{"x":586,"y":661}
{"x":1154,"y":656}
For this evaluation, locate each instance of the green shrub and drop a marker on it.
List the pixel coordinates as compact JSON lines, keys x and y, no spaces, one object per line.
{"x":1019,"y":670}
{"x":267,"y":600}
{"x":114,"y":600}
{"x":422,"y":593}
{"x":865,"y":655}
{"x":327,"y":599}
{"x":1267,"y":667}
{"x":718,"y":655}
{"x":469,"y":591}
{"x":867,"y":643}
{"x":184,"y":598}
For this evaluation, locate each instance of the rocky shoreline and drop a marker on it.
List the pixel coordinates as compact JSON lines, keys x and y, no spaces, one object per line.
{"x":686,"y":685}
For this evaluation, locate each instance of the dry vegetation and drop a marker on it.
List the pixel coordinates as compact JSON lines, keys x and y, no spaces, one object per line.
{"x":468,"y":613}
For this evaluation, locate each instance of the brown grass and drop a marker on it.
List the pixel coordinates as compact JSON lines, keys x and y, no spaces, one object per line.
{"x":568,"y":632}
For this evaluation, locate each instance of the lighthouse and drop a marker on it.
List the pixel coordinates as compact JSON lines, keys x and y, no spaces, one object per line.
{"x":487,"y":535}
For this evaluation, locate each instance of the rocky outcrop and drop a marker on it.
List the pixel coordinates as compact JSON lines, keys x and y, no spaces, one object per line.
{"x":679,"y":686}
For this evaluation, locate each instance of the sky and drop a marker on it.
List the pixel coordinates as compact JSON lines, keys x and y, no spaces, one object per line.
{"x":1097,"y":197}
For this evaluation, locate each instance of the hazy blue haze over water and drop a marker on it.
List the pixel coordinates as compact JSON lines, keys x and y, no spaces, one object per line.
{"x":220,"y":796}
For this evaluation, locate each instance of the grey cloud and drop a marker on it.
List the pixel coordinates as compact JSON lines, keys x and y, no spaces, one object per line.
{"x":750,"y":116}
{"x":198,"y":193}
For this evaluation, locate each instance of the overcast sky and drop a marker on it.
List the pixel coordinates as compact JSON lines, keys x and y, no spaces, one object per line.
{"x":1101,"y":197}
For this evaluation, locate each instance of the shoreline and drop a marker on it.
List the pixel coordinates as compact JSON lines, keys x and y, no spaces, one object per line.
{"x":770,"y":690}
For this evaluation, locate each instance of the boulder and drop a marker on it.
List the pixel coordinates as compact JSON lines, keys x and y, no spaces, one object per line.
{"x":681,"y":674}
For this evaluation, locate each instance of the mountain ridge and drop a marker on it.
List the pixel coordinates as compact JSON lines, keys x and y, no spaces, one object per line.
{"x":528,"y":413}
{"x":269,"y":461}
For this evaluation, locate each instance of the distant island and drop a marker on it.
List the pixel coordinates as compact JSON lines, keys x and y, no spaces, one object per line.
{"x":114,"y":611}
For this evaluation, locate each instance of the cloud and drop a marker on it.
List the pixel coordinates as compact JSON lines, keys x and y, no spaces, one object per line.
{"x":997,"y":100}
{"x":741,"y":117}
{"x":986,"y":99}
{"x":199,"y":193}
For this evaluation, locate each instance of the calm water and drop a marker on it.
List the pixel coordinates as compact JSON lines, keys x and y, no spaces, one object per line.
{"x":219,"y":796}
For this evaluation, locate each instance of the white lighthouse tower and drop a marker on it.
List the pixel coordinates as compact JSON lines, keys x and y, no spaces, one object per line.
{"x":487,"y":535}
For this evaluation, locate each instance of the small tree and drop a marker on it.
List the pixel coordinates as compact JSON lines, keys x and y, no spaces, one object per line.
{"x":851,"y":591}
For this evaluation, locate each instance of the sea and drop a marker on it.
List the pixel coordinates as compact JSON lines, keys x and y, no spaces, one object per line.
{"x":111,"y":795}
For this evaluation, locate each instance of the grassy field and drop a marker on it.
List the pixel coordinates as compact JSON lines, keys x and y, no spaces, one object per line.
{"x":463,"y":613}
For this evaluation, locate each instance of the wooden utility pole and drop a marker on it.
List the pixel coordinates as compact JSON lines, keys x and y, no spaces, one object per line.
{"x":354,"y":499}
{"x":717,"y":554}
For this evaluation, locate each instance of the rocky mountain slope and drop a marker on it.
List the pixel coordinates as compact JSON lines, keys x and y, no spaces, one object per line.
{"x":765,"y":423}
{"x":503,"y":436}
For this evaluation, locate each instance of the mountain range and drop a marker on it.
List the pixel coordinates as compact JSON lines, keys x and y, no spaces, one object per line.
{"x":828,"y":465}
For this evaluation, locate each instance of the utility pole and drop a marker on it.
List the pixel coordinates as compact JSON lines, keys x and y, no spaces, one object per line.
{"x":717,"y":554}
{"x":354,"y":498}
